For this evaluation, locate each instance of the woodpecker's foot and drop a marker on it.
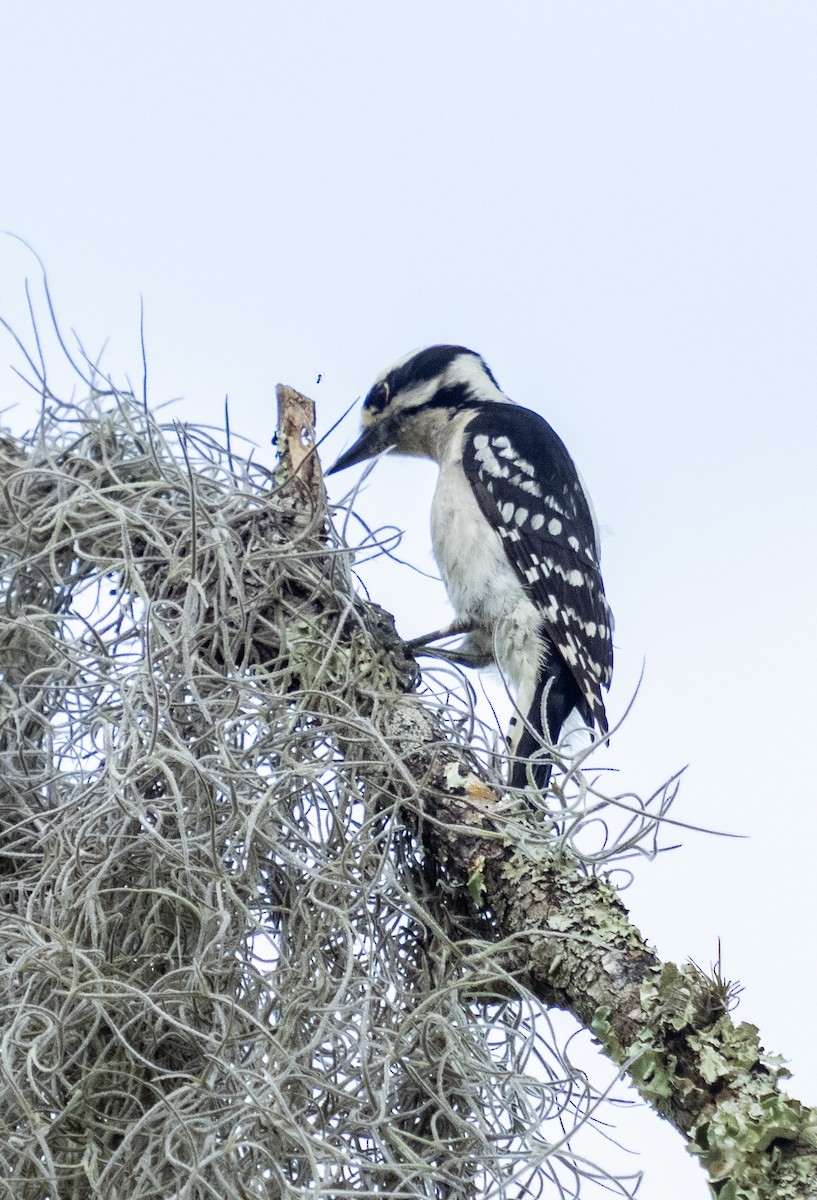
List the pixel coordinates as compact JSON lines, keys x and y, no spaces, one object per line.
{"x":472,"y":652}
{"x":452,"y":630}
{"x":463,"y":658}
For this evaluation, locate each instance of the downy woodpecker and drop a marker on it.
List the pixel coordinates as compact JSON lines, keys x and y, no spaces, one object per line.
{"x":513,"y":534}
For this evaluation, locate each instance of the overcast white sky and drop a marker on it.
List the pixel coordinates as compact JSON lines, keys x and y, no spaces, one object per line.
{"x":613,"y":202}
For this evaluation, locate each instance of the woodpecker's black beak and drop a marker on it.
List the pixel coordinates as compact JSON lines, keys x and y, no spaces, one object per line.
{"x":372,"y":441}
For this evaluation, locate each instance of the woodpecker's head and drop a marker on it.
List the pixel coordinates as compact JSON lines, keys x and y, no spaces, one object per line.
{"x":410,"y":404}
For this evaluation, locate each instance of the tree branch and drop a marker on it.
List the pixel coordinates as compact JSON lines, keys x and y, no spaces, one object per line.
{"x":666,"y":1026}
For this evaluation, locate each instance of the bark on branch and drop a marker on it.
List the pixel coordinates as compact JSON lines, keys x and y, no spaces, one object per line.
{"x":666,"y":1026}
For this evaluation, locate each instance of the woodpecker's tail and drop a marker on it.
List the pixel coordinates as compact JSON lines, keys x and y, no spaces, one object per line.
{"x":526,"y":737}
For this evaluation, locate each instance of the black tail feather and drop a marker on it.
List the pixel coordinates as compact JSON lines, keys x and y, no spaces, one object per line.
{"x":562,"y":697}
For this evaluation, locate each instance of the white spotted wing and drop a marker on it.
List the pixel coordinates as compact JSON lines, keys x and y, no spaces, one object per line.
{"x":526,"y":484}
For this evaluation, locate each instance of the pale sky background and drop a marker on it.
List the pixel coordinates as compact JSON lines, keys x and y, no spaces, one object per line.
{"x":616,"y":204}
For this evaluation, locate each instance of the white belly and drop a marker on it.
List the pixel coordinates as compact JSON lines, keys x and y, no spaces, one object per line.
{"x":481,"y":583}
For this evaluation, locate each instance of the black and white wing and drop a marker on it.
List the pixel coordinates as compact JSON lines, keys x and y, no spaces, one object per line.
{"x":526,"y":484}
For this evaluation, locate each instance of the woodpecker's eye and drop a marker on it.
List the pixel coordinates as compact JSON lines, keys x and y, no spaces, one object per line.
{"x":378,"y":397}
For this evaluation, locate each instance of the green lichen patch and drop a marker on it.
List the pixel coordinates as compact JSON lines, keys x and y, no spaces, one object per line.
{"x":736,"y":1142}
